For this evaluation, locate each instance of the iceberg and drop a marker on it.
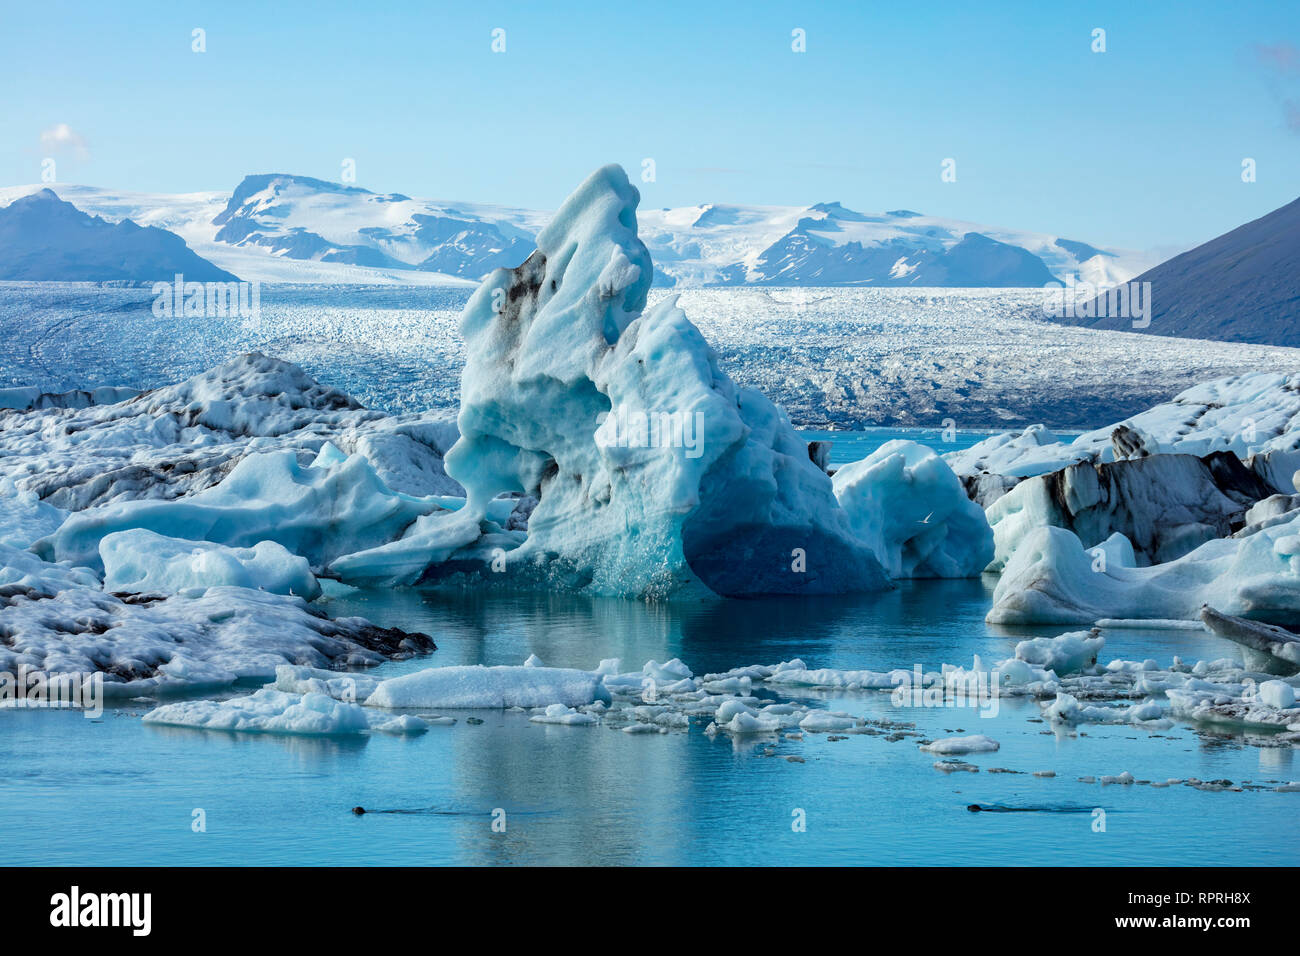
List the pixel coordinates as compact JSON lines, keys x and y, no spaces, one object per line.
{"x":655,"y":476}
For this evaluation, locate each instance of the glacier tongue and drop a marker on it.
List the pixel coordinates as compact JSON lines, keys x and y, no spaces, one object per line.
{"x":655,"y":474}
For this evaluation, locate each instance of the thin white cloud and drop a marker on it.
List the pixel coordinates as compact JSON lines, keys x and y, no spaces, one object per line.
{"x":1281,"y":65}
{"x":62,"y":138}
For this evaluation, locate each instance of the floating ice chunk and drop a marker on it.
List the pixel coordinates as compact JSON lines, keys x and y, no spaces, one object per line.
{"x":1239,"y":706}
{"x":1064,"y":654}
{"x":143,"y":562}
{"x":750,"y":723}
{"x":1067,"y":709}
{"x":274,"y":712}
{"x":797,"y":674}
{"x":822,"y":722}
{"x":905,"y":502}
{"x":973,"y":744}
{"x":1264,"y":647}
{"x":730,"y":708}
{"x":313,"y":680}
{"x":1277,"y":693}
{"x":1123,"y":779}
{"x":401,"y":724}
{"x":533,"y":661}
{"x":477,"y":686}
{"x":560,"y":714}
{"x":673,"y":670}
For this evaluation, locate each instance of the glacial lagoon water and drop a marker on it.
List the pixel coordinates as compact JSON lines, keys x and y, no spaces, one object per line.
{"x":117,"y":791}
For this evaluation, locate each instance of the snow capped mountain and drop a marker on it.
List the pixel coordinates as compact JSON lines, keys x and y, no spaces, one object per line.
{"x":1243,"y":286}
{"x":303,"y":218}
{"x":287,"y":228}
{"x":43,"y":238}
{"x":828,"y":244}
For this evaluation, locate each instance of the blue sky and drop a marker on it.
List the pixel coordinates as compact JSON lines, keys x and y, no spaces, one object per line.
{"x":1140,"y":146}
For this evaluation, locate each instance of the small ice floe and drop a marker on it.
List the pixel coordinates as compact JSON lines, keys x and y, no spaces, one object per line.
{"x":477,"y":686}
{"x":821,"y":722}
{"x":437,"y":720}
{"x":1067,"y":709}
{"x":973,"y":744}
{"x":1124,"y":779}
{"x":293,"y":679}
{"x":1064,"y":654}
{"x":745,"y":722}
{"x":955,"y":765}
{"x":560,"y":714}
{"x":271,"y":711}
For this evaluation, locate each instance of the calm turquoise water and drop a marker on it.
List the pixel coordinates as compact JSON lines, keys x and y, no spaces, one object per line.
{"x":119,"y":792}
